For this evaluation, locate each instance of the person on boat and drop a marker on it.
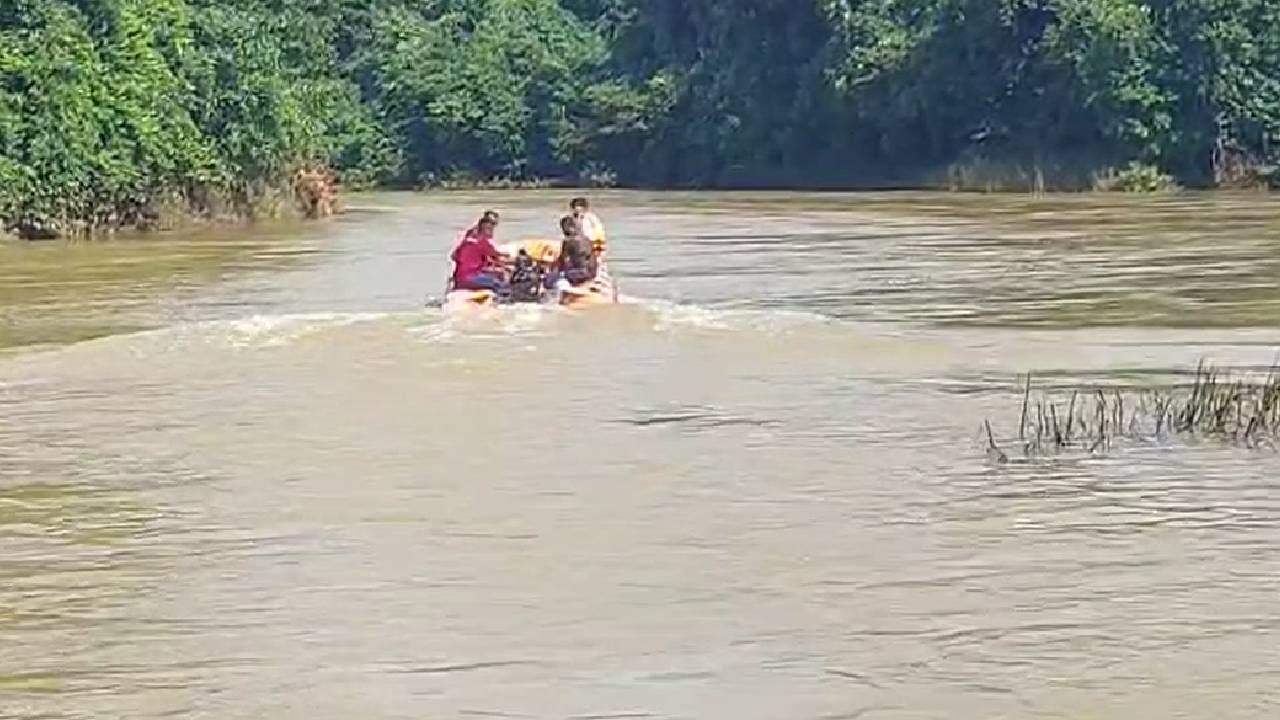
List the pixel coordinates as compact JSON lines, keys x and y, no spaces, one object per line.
{"x":477,"y":264}
{"x":577,"y":263}
{"x":589,"y":223}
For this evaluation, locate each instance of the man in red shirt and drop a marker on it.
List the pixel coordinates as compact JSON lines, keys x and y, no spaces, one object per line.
{"x":477,"y":264}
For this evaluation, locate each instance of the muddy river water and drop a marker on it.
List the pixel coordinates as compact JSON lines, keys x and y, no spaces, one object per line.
{"x":251,"y":473}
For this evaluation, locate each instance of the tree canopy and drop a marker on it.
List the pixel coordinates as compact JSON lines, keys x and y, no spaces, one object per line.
{"x":106,"y":105}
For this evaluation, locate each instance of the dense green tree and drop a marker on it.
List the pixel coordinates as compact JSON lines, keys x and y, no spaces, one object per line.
{"x":108,"y":105}
{"x":91,"y":114}
{"x":482,"y":86}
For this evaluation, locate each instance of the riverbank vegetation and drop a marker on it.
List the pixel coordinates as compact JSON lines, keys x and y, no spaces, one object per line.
{"x":113,"y":110}
{"x":1241,"y":409}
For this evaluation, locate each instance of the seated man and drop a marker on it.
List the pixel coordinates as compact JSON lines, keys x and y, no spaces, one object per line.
{"x":477,"y":264}
{"x":526,"y":282}
{"x":577,"y":264}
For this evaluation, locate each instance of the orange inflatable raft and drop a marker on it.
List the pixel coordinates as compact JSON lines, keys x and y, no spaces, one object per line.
{"x":545,"y":254}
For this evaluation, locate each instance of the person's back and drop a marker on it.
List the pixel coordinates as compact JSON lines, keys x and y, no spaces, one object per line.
{"x":577,"y":256}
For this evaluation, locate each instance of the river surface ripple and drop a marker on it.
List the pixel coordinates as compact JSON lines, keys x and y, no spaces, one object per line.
{"x":247,"y":473}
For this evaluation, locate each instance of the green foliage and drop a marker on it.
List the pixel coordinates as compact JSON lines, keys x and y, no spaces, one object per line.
{"x":484,"y":86}
{"x":108,"y":105}
{"x":1135,"y":177}
{"x":86,"y":120}
{"x":880,"y":90}
{"x":741,"y":87}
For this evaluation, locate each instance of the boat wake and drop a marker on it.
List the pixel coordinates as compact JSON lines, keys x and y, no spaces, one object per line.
{"x":434,"y":326}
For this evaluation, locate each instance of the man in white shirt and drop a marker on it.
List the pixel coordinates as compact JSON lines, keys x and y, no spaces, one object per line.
{"x":589,"y":223}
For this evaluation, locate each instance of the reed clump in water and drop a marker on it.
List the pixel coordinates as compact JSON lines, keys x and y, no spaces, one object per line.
{"x":1219,"y":406}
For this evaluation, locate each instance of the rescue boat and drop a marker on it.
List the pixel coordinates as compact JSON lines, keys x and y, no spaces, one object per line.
{"x":532,"y":260}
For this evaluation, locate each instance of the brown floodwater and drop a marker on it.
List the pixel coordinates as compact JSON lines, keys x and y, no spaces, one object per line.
{"x":254,"y":473}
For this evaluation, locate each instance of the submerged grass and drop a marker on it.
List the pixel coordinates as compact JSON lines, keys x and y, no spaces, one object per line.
{"x":1237,"y":409}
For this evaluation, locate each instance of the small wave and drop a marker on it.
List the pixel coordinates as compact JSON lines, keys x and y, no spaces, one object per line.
{"x":444,"y":326}
{"x":259,"y":331}
{"x":696,"y":417}
{"x":661,"y":316}
{"x":243,"y":333}
{"x":675,"y":316}
{"x":249,"y":332}
{"x":433,"y":325}
{"x":279,"y":330}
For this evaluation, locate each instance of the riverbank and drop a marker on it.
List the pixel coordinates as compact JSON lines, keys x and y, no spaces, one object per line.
{"x":310,"y":192}
{"x":315,"y":193}
{"x":972,"y":173}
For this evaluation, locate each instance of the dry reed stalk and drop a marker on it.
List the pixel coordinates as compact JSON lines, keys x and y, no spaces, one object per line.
{"x":1239,"y":410}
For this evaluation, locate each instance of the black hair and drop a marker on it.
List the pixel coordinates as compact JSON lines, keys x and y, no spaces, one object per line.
{"x":579,"y":202}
